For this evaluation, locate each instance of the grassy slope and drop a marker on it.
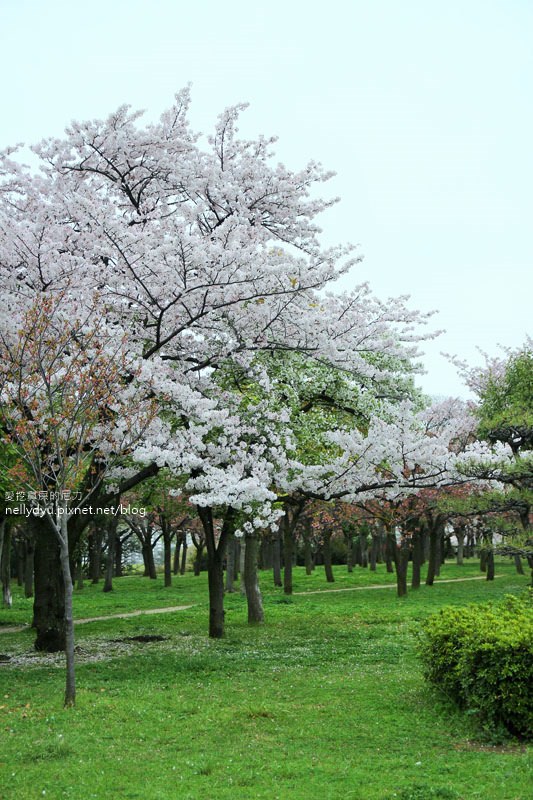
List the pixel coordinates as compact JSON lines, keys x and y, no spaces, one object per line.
{"x":324,"y":701}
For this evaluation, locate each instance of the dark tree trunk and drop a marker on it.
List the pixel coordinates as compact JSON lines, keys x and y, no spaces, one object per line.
{"x":167,"y":549}
{"x":183,"y":565}
{"x":95,"y":554}
{"x":400,"y":553}
{"x":433,"y":556}
{"x":110,"y":555}
{"x":276,"y":559}
{"x":374,"y":552}
{"x":308,"y":556}
{"x":148,"y":559}
{"x":198,"y":559}
{"x":119,"y":555}
{"x":518,"y":564}
{"x":266,"y":556}
{"x":79,"y":572}
{"x":230,"y":564}
{"x":363,"y":545}
{"x":28,"y":568}
{"x":349,"y":553}
{"x":388,"y":555}
{"x":460,"y":534}
{"x":417,"y":559}
{"x":288,"y":548}
{"x":49,"y":600}
{"x":5,"y":563}
{"x":251,"y":581}
{"x":215,"y":567}
{"x":490,"y":565}
{"x":483,"y":559}
{"x":326,"y":552}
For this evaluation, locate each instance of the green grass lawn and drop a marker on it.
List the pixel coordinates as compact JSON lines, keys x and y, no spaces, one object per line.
{"x":326,"y":700}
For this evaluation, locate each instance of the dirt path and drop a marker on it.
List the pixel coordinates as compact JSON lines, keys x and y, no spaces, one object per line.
{"x":127,"y":615}
{"x":169,"y":609}
{"x":391,"y":585}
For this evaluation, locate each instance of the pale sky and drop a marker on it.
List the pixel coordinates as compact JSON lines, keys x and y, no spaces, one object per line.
{"x":423,"y":108}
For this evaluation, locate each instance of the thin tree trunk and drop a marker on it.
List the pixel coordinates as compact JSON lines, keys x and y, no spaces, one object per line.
{"x":308,"y":556}
{"x":388,"y":555}
{"x":251,"y":581}
{"x":326,"y":552}
{"x":374,"y":552}
{"x":288,"y":546}
{"x":417,"y":559}
{"x":198,"y":559}
{"x":400,"y":552}
{"x":183,"y":565}
{"x":460,"y":546}
{"x":433,"y":556}
{"x":276,"y":559}
{"x":518,"y":564}
{"x":242,"y":561}
{"x":490,"y":564}
{"x":363,"y":545}
{"x":70,"y":686}
{"x":230,"y":564}
{"x":5,"y":559}
{"x":28,"y":569}
{"x":167,"y":549}
{"x":110,"y":555}
{"x":79,"y":572}
{"x":176,"y":561}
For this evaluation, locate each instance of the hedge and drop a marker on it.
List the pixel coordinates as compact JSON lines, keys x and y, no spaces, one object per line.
{"x":481,"y":656}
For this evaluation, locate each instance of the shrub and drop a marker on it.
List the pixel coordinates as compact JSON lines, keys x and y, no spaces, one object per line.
{"x":481,"y":656}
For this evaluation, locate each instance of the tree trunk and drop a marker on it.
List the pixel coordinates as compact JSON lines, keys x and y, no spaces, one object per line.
{"x":28,"y":568}
{"x":349,"y":553}
{"x":95,"y":554}
{"x":198,"y":559}
{"x":374,"y":552}
{"x":242,"y":561}
{"x":251,"y":581}
{"x":70,"y":686}
{"x":110,"y":555}
{"x":49,"y":599}
{"x":79,"y":572}
{"x":276,"y":559}
{"x":288,"y":547}
{"x":518,"y":564}
{"x":400,"y":552}
{"x":5,"y":563}
{"x":417,"y":559}
{"x":215,"y":567}
{"x":167,"y":549}
{"x":308,"y":556}
{"x":460,"y":546}
{"x":176,"y":561}
{"x":490,"y":564}
{"x":433,"y":555}
{"x":326,"y":552}
{"x":363,"y":546}
{"x":388,"y":555}
{"x":230,"y":564}
{"x":183,"y":565}
{"x":483,"y":559}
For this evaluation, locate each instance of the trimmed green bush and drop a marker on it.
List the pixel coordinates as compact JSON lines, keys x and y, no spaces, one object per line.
{"x":481,"y":656}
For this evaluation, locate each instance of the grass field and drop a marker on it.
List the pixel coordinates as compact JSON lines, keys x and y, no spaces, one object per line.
{"x":326,"y":700}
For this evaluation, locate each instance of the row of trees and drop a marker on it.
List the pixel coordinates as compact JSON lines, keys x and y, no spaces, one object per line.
{"x":165,"y":312}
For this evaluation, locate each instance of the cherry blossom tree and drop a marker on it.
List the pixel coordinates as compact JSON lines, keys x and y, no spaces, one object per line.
{"x":207,"y":254}
{"x":59,"y":416}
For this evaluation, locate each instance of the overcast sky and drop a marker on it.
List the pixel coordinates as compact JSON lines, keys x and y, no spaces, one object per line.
{"x":423,"y":108}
